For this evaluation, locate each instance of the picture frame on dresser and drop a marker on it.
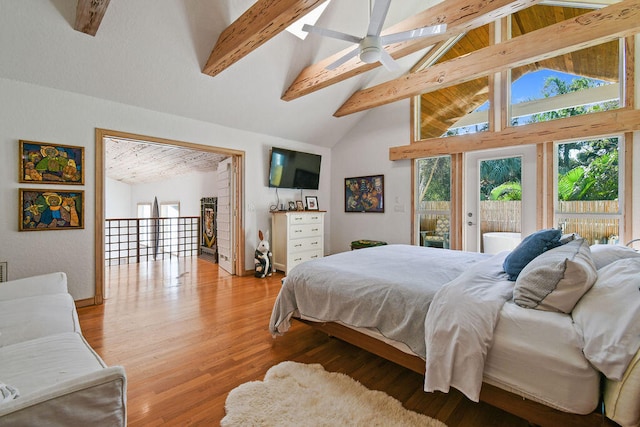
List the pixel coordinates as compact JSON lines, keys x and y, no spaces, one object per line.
{"x":312,"y":203}
{"x":299,"y":205}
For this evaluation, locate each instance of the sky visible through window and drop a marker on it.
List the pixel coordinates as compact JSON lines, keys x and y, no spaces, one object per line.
{"x":529,"y":86}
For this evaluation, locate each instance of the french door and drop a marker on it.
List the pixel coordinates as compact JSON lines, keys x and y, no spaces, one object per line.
{"x":499,"y":197}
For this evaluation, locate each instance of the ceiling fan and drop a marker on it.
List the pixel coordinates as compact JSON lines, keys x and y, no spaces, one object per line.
{"x":370,"y":47}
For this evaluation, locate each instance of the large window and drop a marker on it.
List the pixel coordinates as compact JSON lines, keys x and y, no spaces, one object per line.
{"x":588,"y":190}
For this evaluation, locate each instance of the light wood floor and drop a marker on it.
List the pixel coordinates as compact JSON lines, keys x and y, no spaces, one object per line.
{"x":187,"y":333}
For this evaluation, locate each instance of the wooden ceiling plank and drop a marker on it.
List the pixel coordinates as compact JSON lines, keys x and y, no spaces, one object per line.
{"x":459,"y":15}
{"x":594,"y":125}
{"x":261,"y":22}
{"x":89,"y":14}
{"x":619,"y":20}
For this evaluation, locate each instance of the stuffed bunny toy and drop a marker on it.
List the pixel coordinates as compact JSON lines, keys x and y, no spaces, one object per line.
{"x":263,"y":257}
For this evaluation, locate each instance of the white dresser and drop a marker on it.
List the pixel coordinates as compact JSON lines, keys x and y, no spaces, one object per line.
{"x":298,"y":236}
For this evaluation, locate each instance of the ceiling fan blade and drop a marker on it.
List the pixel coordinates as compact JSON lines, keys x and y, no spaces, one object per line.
{"x":378,"y":15}
{"x":389,"y":63}
{"x":413,"y":34}
{"x":343,"y":59}
{"x":330,"y":33}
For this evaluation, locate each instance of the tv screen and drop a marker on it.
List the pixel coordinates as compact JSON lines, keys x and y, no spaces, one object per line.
{"x":294,"y":169}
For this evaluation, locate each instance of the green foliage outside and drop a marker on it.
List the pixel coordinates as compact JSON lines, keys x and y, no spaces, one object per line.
{"x":587,"y":170}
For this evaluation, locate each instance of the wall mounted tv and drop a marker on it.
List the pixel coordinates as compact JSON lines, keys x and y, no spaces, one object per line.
{"x":294,"y":169}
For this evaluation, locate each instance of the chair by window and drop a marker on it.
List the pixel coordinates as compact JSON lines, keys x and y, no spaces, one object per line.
{"x":438,"y":238}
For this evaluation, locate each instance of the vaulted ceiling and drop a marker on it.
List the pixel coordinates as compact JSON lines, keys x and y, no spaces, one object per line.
{"x":230,"y":62}
{"x":249,"y":36}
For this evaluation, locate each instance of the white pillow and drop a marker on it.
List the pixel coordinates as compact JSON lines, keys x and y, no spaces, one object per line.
{"x":604,"y":255}
{"x":608,"y":316}
{"x":556,"y":279}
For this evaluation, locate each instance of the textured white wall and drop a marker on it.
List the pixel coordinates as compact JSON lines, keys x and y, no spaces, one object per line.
{"x":365,"y":151}
{"x":42,"y":114}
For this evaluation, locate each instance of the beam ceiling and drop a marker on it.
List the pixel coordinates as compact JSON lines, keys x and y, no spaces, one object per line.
{"x":619,"y":20}
{"x":459,"y":15}
{"x":89,"y":14}
{"x":262,"y":21}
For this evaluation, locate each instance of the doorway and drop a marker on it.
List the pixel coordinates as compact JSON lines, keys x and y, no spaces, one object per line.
{"x":236,"y":158}
{"x":500,"y":198}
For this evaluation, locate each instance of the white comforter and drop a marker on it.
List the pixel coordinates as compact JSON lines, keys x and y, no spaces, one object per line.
{"x":459,"y":327}
{"x":388,"y":288}
{"x":442,"y":304}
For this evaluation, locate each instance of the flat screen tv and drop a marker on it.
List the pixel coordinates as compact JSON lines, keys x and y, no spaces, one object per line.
{"x":294,"y":169}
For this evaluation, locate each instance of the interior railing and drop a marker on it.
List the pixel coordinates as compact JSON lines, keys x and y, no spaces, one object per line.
{"x":134,"y":240}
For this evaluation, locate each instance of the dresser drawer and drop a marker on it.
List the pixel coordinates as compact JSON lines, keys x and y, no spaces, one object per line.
{"x":300,"y":257}
{"x":305,"y":244}
{"x":305,"y":218}
{"x":300,"y":231}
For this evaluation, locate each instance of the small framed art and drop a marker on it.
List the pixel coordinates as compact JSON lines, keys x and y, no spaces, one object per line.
{"x":312,"y":203}
{"x":364,"y":194}
{"x":299,"y":205}
{"x":51,"y":163}
{"x":51,"y":209}
{"x":292,"y":205}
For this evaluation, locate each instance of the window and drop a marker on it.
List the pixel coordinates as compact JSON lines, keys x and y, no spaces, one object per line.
{"x":460,"y":109}
{"x":588,"y":190}
{"x":144,"y":210}
{"x":580,"y":82}
{"x":433,"y":200}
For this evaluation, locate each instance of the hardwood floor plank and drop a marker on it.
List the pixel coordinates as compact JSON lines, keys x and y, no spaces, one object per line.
{"x":187,"y":333}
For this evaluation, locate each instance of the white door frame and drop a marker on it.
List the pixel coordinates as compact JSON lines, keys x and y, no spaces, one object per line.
{"x":471,"y":198}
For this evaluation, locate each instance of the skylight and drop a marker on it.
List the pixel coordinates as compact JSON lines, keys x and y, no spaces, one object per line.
{"x":310,"y":18}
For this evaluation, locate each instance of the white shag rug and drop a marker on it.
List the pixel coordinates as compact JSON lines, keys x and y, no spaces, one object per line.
{"x":297,"y":394}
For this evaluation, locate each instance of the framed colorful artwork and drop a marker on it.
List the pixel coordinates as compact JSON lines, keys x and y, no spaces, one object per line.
{"x":51,"y":209}
{"x":312,"y":203}
{"x":46,"y":163}
{"x":364,"y":194}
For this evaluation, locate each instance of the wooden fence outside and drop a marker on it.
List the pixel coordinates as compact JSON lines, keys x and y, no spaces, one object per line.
{"x":505,"y":216}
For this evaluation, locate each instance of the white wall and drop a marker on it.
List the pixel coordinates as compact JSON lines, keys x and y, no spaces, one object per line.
{"x":365,"y":151}
{"x":186,"y":189}
{"x":121,"y":199}
{"x":42,"y":114}
{"x":118,"y":200}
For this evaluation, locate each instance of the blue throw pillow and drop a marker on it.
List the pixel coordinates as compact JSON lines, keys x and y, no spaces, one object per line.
{"x":532,"y":246}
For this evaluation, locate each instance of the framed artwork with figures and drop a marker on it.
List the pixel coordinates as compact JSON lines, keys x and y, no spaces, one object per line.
{"x":50,"y":209}
{"x":46,"y":163}
{"x":364,"y":194}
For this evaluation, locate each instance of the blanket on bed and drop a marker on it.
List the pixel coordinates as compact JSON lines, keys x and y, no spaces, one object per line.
{"x":388,"y":288}
{"x":459,"y":327}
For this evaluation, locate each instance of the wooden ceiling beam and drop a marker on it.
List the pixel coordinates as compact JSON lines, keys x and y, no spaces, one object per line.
{"x":593,"y":28}
{"x":459,"y":15}
{"x":261,"y":22}
{"x":586,"y":125}
{"x":89,"y":14}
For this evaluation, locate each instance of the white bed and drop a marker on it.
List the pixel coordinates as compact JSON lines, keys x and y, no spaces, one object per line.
{"x":532,"y":354}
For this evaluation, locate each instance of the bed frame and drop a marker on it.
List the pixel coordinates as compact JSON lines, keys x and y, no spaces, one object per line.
{"x":535,"y":413}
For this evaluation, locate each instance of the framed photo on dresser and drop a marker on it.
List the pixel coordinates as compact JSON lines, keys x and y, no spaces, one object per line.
{"x":312,"y":203}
